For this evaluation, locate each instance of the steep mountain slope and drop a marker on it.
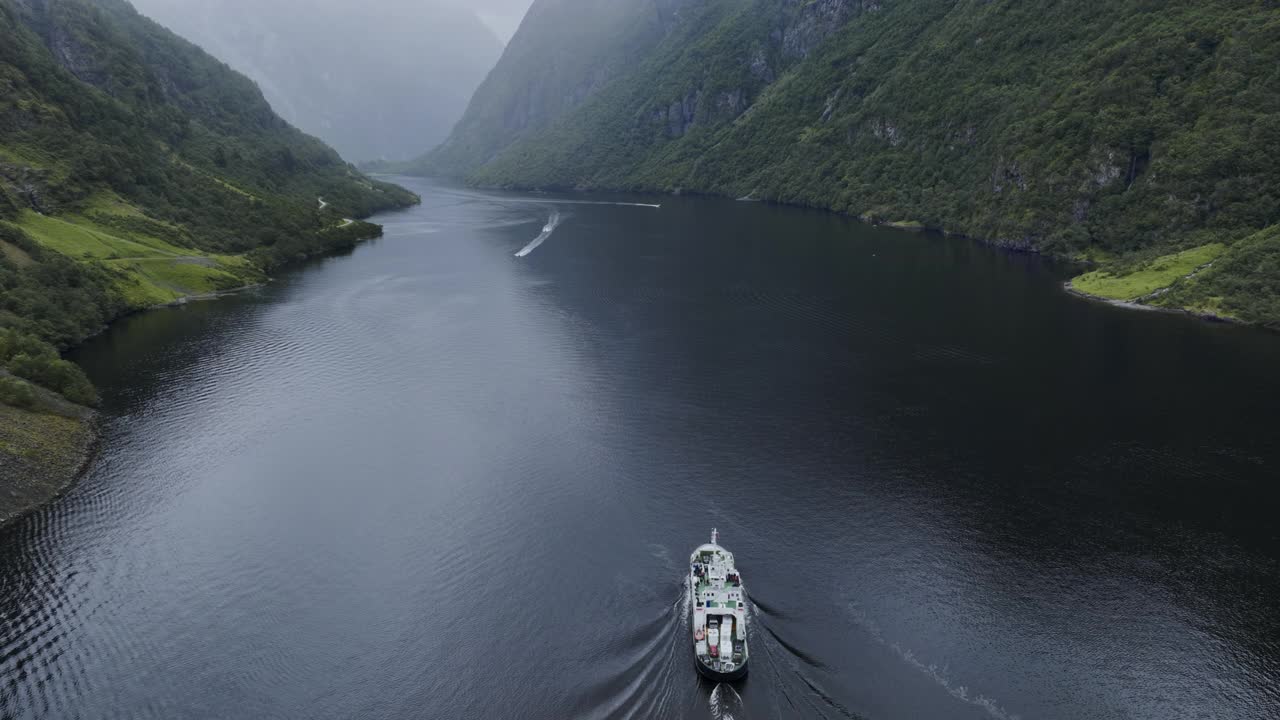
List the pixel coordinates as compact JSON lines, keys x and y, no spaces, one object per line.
{"x":1123,"y":132}
{"x":136,"y":170}
{"x":384,"y":81}
{"x":563,"y":54}
{"x":122,"y":142}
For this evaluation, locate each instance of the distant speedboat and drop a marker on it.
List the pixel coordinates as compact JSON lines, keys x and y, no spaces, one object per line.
{"x":719,"y":603}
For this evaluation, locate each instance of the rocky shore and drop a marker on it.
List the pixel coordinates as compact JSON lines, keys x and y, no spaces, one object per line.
{"x":43,"y":450}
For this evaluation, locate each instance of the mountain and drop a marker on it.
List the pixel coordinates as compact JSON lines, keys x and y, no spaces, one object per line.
{"x":376,"y":80}
{"x":564,"y":51}
{"x":135,"y":170}
{"x":1141,"y":137}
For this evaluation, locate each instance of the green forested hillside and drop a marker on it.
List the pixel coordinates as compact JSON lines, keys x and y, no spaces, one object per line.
{"x":1139,"y":135}
{"x":153,"y":167}
{"x":136,"y":170}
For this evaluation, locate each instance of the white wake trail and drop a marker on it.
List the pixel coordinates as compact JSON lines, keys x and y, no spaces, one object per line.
{"x":939,"y":675}
{"x":724,"y":699}
{"x":684,"y":600}
{"x":603,"y":202}
{"x":552,"y":223}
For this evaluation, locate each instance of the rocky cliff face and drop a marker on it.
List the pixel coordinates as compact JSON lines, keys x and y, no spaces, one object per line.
{"x":536,"y":83}
{"x":795,"y":30}
{"x":564,"y":54}
{"x":69,"y":51}
{"x":24,"y":188}
{"x":813,"y":21}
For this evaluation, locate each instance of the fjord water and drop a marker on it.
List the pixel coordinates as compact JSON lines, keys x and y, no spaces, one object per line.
{"x":434,"y":479}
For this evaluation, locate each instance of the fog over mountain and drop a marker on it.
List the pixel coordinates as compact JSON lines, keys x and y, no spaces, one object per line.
{"x":502,"y":16}
{"x":378,"y":79}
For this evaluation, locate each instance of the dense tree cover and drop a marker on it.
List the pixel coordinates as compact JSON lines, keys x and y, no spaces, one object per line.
{"x":48,"y":301}
{"x":1118,"y":131}
{"x":37,"y":361}
{"x":17,"y":393}
{"x":1245,"y":283}
{"x":51,"y":297}
{"x":95,"y":98}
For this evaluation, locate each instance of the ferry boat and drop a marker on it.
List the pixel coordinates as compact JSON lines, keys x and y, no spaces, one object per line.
{"x":719,"y":617}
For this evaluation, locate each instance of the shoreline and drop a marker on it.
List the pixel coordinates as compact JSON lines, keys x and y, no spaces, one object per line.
{"x":44,"y":452}
{"x":188,"y":299}
{"x":1012,"y":246}
{"x":35,"y":475}
{"x":1134,"y":305}
{"x":56,"y":486}
{"x":47,"y":450}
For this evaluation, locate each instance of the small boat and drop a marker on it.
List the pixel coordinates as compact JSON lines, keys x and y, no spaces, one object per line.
{"x":719,"y":603}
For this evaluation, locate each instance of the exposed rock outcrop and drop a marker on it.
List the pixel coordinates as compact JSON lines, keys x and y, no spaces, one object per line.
{"x":816,"y":20}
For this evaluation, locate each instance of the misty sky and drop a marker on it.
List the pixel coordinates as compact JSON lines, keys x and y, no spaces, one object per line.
{"x":376,"y":79}
{"x":503,"y":16}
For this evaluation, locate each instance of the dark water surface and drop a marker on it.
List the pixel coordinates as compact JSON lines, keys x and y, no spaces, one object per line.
{"x":435,"y":480}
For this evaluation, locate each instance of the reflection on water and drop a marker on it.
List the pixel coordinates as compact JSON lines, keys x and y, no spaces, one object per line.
{"x":433,"y":479}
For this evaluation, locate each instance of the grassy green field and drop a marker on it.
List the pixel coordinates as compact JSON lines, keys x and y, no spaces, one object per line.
{"x":79,"y":237}
{"x":1160,"y":273}
{"x":150,"y":268}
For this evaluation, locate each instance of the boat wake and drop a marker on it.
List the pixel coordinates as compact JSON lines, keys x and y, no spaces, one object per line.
{"x":644,"y":681}
{"x":939,"y":675}
{"x":724,"y":701}
{"x":650,"y":673}
{"x":684,"y":602}
{"x":553,"y":222}
{"x":794,"y":674}
{"x":604,"y":202}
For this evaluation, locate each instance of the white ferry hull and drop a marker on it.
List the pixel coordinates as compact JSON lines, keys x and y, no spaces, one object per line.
{"x":718,"y":614}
